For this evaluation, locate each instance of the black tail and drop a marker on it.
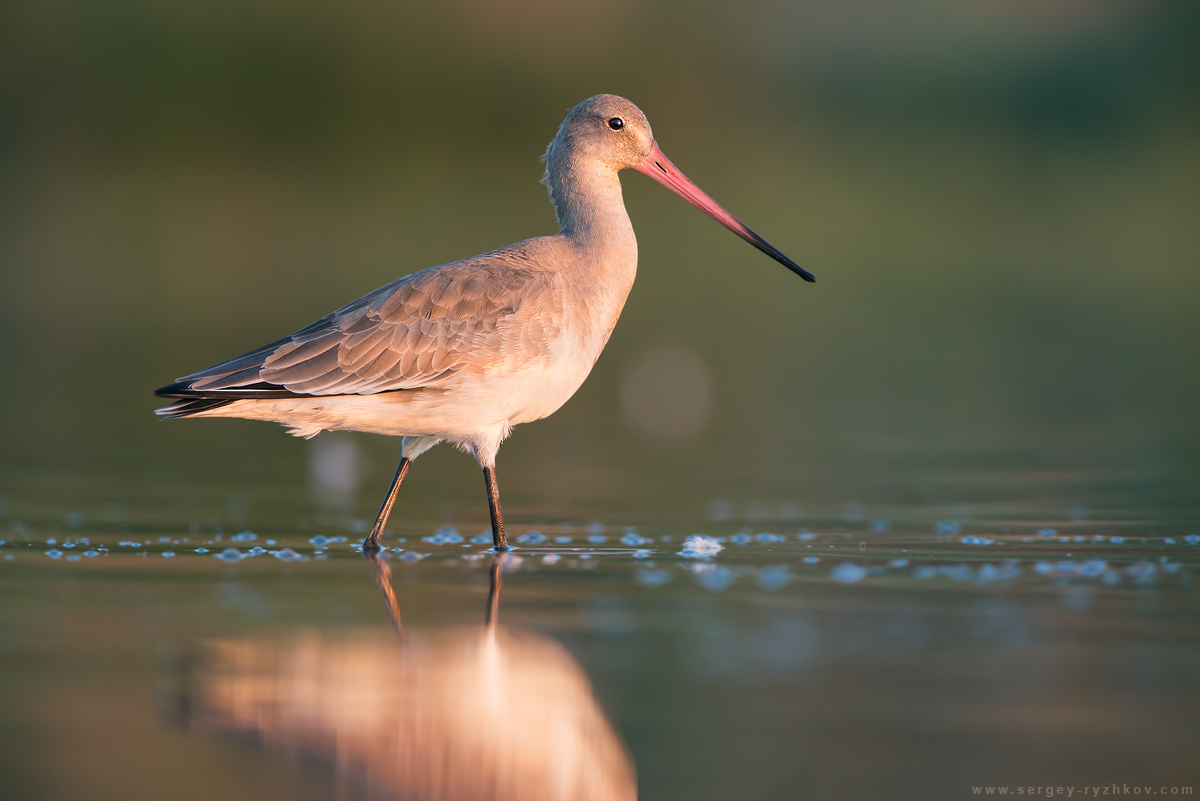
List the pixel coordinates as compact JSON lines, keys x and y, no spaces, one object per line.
{"x":190,"y":401}
{"x":186,"y":407}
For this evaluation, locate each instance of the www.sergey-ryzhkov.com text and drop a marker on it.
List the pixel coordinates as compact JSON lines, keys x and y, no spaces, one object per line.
{"x":1083,"y":791}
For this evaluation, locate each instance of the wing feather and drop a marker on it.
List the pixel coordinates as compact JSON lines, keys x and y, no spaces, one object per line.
{"x":419,"y":331}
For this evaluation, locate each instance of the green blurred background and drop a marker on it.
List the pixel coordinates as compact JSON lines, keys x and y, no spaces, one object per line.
{"x":1000,"y":199}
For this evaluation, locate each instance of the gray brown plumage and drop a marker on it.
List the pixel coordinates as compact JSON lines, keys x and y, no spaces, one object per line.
{"x":466,"y":350}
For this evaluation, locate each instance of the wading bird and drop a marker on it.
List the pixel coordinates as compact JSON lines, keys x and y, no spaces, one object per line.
{"x":464,"y":351}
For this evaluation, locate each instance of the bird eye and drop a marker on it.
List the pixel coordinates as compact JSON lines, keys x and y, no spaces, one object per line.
{"x":616,"y":123}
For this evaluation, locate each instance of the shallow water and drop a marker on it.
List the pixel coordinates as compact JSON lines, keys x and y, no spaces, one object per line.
{"x":856,"y":658}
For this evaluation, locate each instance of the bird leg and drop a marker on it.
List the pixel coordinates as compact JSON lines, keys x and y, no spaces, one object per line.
{"x":371,"y":543}
{"x":498,"y":540}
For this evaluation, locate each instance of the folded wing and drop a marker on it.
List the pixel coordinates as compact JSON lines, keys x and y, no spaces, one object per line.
{"x":417,"y":332}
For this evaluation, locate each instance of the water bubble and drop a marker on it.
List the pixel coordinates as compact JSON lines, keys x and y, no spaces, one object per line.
{"x":925,"y":572}
{"x":531,"y":538}
{"x":562,"y":540}
{"x":811,"y":560}
{"x":245,"y":536}
{"x":766,"y":536}
{"x":91,"y":554}
{"x":713,"y":577}
{"x":699,"y":546}
{"x":54,"y":553}
{"x":634,"y":539}
{"x":1142,"y":572}
{"x":320,"y":541}
{"x":168,"y":554}
{"x":1047,"y":533}
{"x":774,"y":577}
{"x":956,"y":573}
{"x":411,"y":556}
{"x":947,"y":527}
{"x":1116,"y":540}
{"x":806,"y":536}
{"x":972,"y":540}
{"x":1169,"y":541}
{"x":641,"y":554}
{"x":287,"y":555}
{"x":989,"y":573}
{"x":449,"y":534}
{"x":1192,"y":539}
{"x":595,"y":527}
{"x":230,"y":555}
{"x":596,"y":539}
{"x":848,"y":573}
{"x":652,"y":578}
{"x":897,"y":563}
{"x":201,"y":550}
{"x":740,"y":539}
{"x":482,"y":539}
{"x":551,"y":559}
{"x":880,"y":525}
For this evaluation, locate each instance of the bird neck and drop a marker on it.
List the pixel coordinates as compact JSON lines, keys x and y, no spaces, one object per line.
{"x":589,"y":206}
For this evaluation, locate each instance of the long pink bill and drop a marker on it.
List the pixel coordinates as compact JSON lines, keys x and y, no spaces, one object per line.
{"x":660,"y":168}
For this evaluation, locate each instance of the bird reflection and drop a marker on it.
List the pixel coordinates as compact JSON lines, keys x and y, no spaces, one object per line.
{"x":465,"y":713}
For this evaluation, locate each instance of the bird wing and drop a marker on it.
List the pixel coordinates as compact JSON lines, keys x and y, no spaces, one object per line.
{"x":414,"y":333}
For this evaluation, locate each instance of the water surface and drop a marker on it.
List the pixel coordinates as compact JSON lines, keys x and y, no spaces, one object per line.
{"x":857,"y":658}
